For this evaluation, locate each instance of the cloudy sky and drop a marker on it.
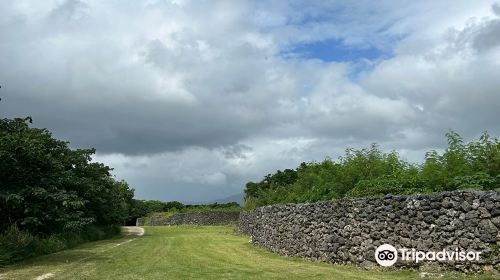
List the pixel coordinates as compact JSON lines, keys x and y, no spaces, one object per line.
{"x":188,"y":100}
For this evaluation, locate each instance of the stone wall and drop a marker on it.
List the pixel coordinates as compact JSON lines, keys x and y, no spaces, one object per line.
{"x":350,"y":230}
{"x":196,"y":218}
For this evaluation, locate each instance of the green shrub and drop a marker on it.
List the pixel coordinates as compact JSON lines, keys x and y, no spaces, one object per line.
{"x":14,"y":245}
{"x":478,"y":181}
{"x":50,"y":245}
{"x":383,"y":186}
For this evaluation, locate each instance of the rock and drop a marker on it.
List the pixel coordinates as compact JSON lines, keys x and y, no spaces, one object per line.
{"x":496,"y":221}
{"x":436,"y":213}
{"x":448,"y":203}
{"x":442,"y":221}
{"x":436,"y":205}
{"x":367,"y":264}
{"x":429,"y":219}
{"x":473,"y":214}
{"x":483,"y":213}
{"x":475,"y":204}
{"x":465,"y":206}
{"x":488,"y":226}
{"x":495,"y":211}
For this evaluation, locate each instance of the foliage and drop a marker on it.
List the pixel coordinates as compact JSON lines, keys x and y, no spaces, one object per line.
{"x":230,"y":206}
{"x":382,"y":186}
{"x":477,"y":181}
{"x":371,"y":172}
{"x":16,"y":244}
{"x":46,"y":187}
{"x":142,"y":208}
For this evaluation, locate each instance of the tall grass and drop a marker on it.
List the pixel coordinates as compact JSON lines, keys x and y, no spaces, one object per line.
{"x":16,"y":245}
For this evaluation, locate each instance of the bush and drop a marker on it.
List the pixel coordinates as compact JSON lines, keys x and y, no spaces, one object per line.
{"x":478,"y":181}
{"x":50,"y":245}
{"x":14,"y":245}
{"x":383,"y":186}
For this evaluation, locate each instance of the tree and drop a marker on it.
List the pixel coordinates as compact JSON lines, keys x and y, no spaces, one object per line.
{"x":47,"y":187}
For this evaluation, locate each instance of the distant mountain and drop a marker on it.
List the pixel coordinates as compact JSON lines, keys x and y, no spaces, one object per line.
{"x":233,"y":198}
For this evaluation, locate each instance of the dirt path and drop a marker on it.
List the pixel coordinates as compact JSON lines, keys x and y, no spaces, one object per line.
{"x":133,"y":231}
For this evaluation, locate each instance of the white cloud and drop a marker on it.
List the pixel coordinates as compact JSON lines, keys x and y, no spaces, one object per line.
{"x":190,"y":99}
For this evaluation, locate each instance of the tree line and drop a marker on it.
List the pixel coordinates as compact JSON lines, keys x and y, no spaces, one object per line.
{"x":371,"y":172}
{"x":143,"y":208}
{"x":51,"y":196}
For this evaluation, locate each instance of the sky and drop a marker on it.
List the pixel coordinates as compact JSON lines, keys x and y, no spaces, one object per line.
{"x":189,"y":100}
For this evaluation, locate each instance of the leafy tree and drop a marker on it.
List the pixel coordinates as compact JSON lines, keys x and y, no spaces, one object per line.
{"x":47,"y":187}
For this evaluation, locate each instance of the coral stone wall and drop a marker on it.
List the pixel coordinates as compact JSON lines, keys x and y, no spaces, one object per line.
{"x":197,"y":218}
{"x":350,"y":230}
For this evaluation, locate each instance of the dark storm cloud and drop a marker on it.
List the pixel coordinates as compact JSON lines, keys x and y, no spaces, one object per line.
{"x":85,"y":88}
{"x":130,"y":125}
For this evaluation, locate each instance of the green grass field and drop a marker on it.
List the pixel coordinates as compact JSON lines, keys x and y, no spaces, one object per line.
{"x":187,"y":252}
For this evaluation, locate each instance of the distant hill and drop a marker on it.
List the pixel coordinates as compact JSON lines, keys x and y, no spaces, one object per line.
{"x":233,"y":198}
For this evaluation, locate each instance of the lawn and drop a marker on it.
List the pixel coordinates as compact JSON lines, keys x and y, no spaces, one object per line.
{"x":187,"y":252}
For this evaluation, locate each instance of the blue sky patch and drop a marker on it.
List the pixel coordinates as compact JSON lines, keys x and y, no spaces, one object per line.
{"x":334,"y":50}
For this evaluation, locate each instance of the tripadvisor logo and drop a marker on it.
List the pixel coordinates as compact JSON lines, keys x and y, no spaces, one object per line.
{"x":387,"y":255}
